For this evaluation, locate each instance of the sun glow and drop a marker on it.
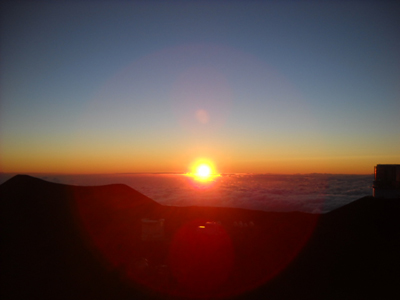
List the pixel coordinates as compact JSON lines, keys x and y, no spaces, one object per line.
{"x":203,"y":170}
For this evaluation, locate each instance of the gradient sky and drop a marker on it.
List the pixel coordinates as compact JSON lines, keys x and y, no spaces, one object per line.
{"x":148,"y":86}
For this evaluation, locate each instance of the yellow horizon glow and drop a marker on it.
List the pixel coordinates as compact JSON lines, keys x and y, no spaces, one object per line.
{"x":203,"y":170}
{"x":104,"y":161}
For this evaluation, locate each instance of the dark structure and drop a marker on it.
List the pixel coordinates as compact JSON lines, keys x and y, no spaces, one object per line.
{"x":71,"y":242}
{"x":387,"y":181}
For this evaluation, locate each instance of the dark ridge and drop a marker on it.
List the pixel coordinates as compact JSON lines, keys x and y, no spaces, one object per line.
{"x":353,"y":254}
{"x":26,"y":182}
{"x":72,"y":242}
{"x":45,"y":252}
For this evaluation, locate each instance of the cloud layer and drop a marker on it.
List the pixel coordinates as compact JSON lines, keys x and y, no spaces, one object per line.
{"x":313,"y":193}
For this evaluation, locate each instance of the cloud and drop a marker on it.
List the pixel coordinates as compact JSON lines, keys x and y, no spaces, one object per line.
{"x":313,"y":193}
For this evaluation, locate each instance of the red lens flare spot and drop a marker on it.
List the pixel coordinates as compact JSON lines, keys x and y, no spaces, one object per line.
{"x":195,"y":252}
{"x":201,"y":258}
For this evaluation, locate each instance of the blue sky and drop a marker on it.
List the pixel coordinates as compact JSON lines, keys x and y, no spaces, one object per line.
{"x":258,"y":86}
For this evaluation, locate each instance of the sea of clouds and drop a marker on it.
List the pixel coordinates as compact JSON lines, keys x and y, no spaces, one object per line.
{"x":313,"y":193}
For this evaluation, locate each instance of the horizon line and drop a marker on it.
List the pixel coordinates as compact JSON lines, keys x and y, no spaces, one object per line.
{"x":177,"y":173}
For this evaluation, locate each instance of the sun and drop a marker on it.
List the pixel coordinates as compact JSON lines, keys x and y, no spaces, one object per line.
{"x":203,"y":170}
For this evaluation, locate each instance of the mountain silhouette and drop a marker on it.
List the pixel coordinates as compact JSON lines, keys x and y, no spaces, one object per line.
{"x":74,"y":242}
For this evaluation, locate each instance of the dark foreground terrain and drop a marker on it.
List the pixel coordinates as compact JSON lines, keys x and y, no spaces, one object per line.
{"x":69,"y":242}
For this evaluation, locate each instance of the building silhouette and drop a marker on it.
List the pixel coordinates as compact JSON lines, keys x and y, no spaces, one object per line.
{"x":387,"y":181}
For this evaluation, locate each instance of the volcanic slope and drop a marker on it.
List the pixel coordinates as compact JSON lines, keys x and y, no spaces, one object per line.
{"x":45,"y":251}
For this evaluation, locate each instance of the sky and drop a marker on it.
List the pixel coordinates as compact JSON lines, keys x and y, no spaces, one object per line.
{"x":280,"y":87}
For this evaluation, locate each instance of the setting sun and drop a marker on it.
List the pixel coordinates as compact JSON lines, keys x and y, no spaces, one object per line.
{"x":203,"y":171}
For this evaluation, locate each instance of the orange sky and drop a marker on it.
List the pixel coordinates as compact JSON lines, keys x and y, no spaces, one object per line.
{"x":102,"y":162}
